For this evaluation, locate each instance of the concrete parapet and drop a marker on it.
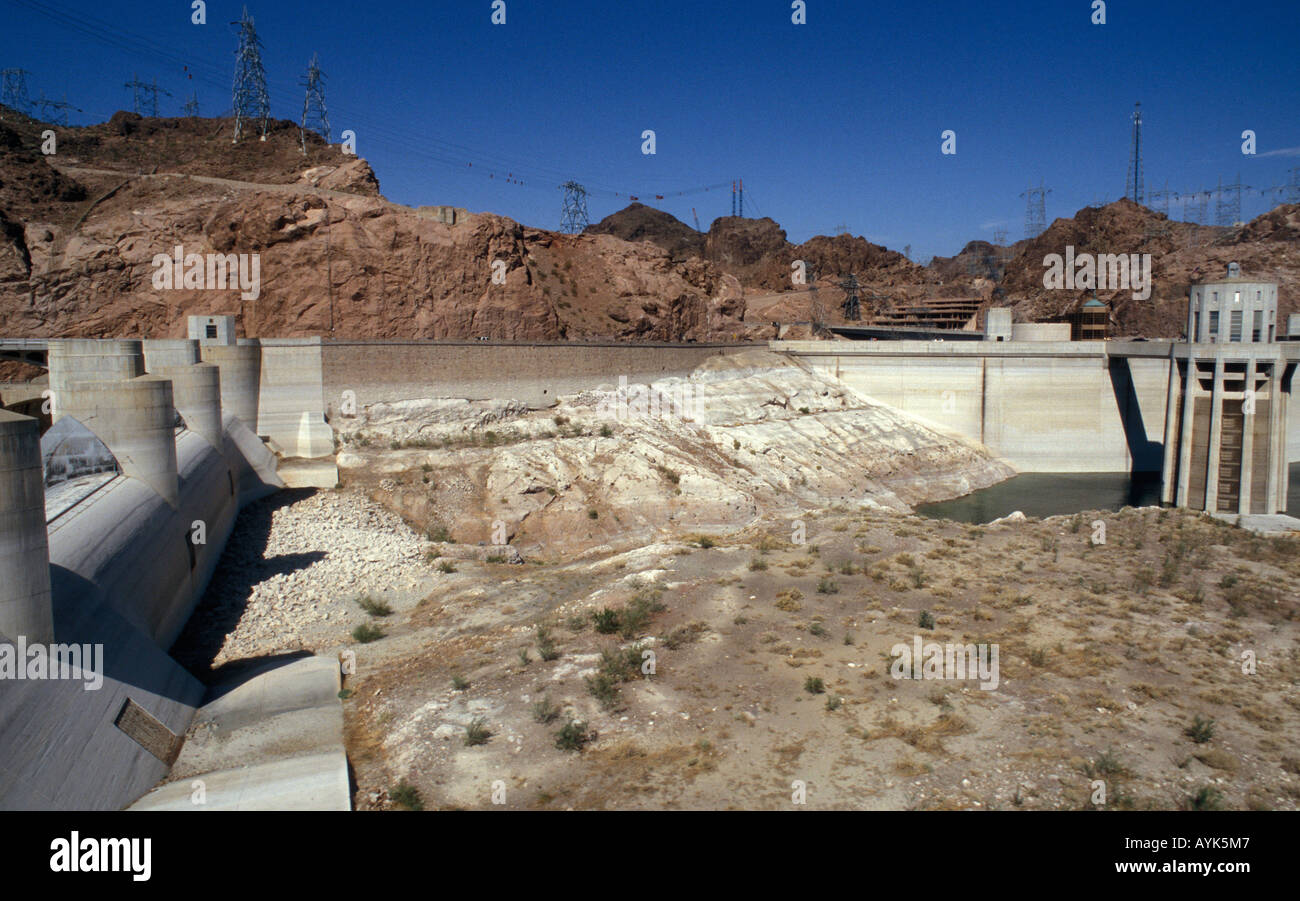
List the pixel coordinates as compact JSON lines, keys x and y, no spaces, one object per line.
{"x":160,"y":352}
{"x":136,"y":420}
{"x":196,"y":391}
{"x":24,"y":549}
{"x":90,"y":360}
{"x":291,"y":409}
{"x":241,"y":375}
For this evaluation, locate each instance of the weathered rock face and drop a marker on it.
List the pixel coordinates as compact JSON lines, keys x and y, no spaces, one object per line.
{"x":334,"y":257}
{"x":746,"y":435}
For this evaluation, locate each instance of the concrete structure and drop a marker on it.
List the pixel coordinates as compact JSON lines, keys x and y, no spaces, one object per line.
{"x":89,"y":360}
{"x":118,"y":564}
{"x":1040,"y":331}
{"x":998,"y":324}
{"x":241,"y":374}
{"x":212,"y":330}
{"x":291,"y":400}
{"x":160,"y":352}
{"x":271,"y":739}
{"x":1233,"y":310}
{"x":1230,"y":389}
{"x":24,"y":548}
{"x":1082,"y":406}
{"x":136,"y":419}
{"x":196,"y":393}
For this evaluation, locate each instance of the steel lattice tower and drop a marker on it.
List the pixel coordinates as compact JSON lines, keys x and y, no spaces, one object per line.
{"x":251,"y":102}
{"x":1036,"y":210}
{"x":191,"y":107}
{"x":1133,"y":188}
{"x":314,"y":116}
{"x":573,"y":215}
{"x":1195,"y":205}
{"x":144,"y":97}
{"x":60,"y":108}
{"x":1160,"y":199}
{"x":1228,"y":211}
{"x":852,"y":305}
{"x":14,"y":93}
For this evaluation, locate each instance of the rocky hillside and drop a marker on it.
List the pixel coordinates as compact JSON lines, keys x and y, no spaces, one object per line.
{"x":79,"y":231}
{"x":1181,"y":253}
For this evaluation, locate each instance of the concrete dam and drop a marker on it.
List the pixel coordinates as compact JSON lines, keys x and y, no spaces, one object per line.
{"x":117,"y":556}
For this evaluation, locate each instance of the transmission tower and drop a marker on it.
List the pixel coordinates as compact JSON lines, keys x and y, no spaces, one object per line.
{"x":251,"y":102}
{"x":1133,"y":190}
{"x":852,"y":306}
{"x":14,"y":93}
{"x":55,"y":112}
{"x":314,"y":116}
{"x":1227,"y":205}
{"x":191,"y":107}
{"x":1160,"y":199}
{"x":573,"y":215}
{"x":1195,"y":204}
{"x":144,"y":97}
{"x":1036,"y":210}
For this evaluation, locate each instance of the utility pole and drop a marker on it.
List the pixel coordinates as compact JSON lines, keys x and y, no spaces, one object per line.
{"x":1160,"y":199}
{"x":191,"y":107}
{"x":314,"y":116}
{"x":573,"y":214}
{"x":250,"y":100}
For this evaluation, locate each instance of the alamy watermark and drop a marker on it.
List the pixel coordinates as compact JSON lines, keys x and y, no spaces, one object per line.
{"x":648,"y":402}
{"x":1100,"y":272}
{"x":208,"y":272}
{"x":21,"y":661}
{"x":958,"y":662}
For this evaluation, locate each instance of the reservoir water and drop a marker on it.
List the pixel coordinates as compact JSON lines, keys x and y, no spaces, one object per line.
{"x":1042,"y":494}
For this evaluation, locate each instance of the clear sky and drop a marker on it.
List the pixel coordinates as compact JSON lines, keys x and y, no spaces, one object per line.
{"x":835,"y":122}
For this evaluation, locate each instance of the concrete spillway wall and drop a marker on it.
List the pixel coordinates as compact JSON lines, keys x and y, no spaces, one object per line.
{"x":386,"y":371}
{"x":125,"y":565}
{"x":1041,"y":406}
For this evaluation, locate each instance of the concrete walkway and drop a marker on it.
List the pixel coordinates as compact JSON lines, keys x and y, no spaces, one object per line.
{"x":1270,"y":525}
{"x":269,"y":739}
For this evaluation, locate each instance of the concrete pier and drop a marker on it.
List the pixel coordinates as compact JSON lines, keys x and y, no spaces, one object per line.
{"x":196,"y":391}
{"x":136,"y":420}
{"x":24,"y":546}
{"x":90,"y":360}
{"x":241,"y":375}
{"x":160,"y":352}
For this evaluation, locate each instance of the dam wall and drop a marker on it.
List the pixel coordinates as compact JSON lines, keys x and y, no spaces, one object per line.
{"x":535,"y":373}
{"x":128,"y":557}
{"x":1041,"y":406}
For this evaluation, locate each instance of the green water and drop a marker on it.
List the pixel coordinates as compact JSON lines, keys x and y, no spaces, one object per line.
{"x":1042,"y":494}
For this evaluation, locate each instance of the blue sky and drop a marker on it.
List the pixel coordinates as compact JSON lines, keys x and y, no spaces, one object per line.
{"x":834,"y":122}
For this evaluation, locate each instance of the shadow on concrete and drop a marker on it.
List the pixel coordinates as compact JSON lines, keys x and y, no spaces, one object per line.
{"x":1147,"y":455}
{"x":81,"y":616}
{"x":242,"y":566}
{"x":226,"y":678}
